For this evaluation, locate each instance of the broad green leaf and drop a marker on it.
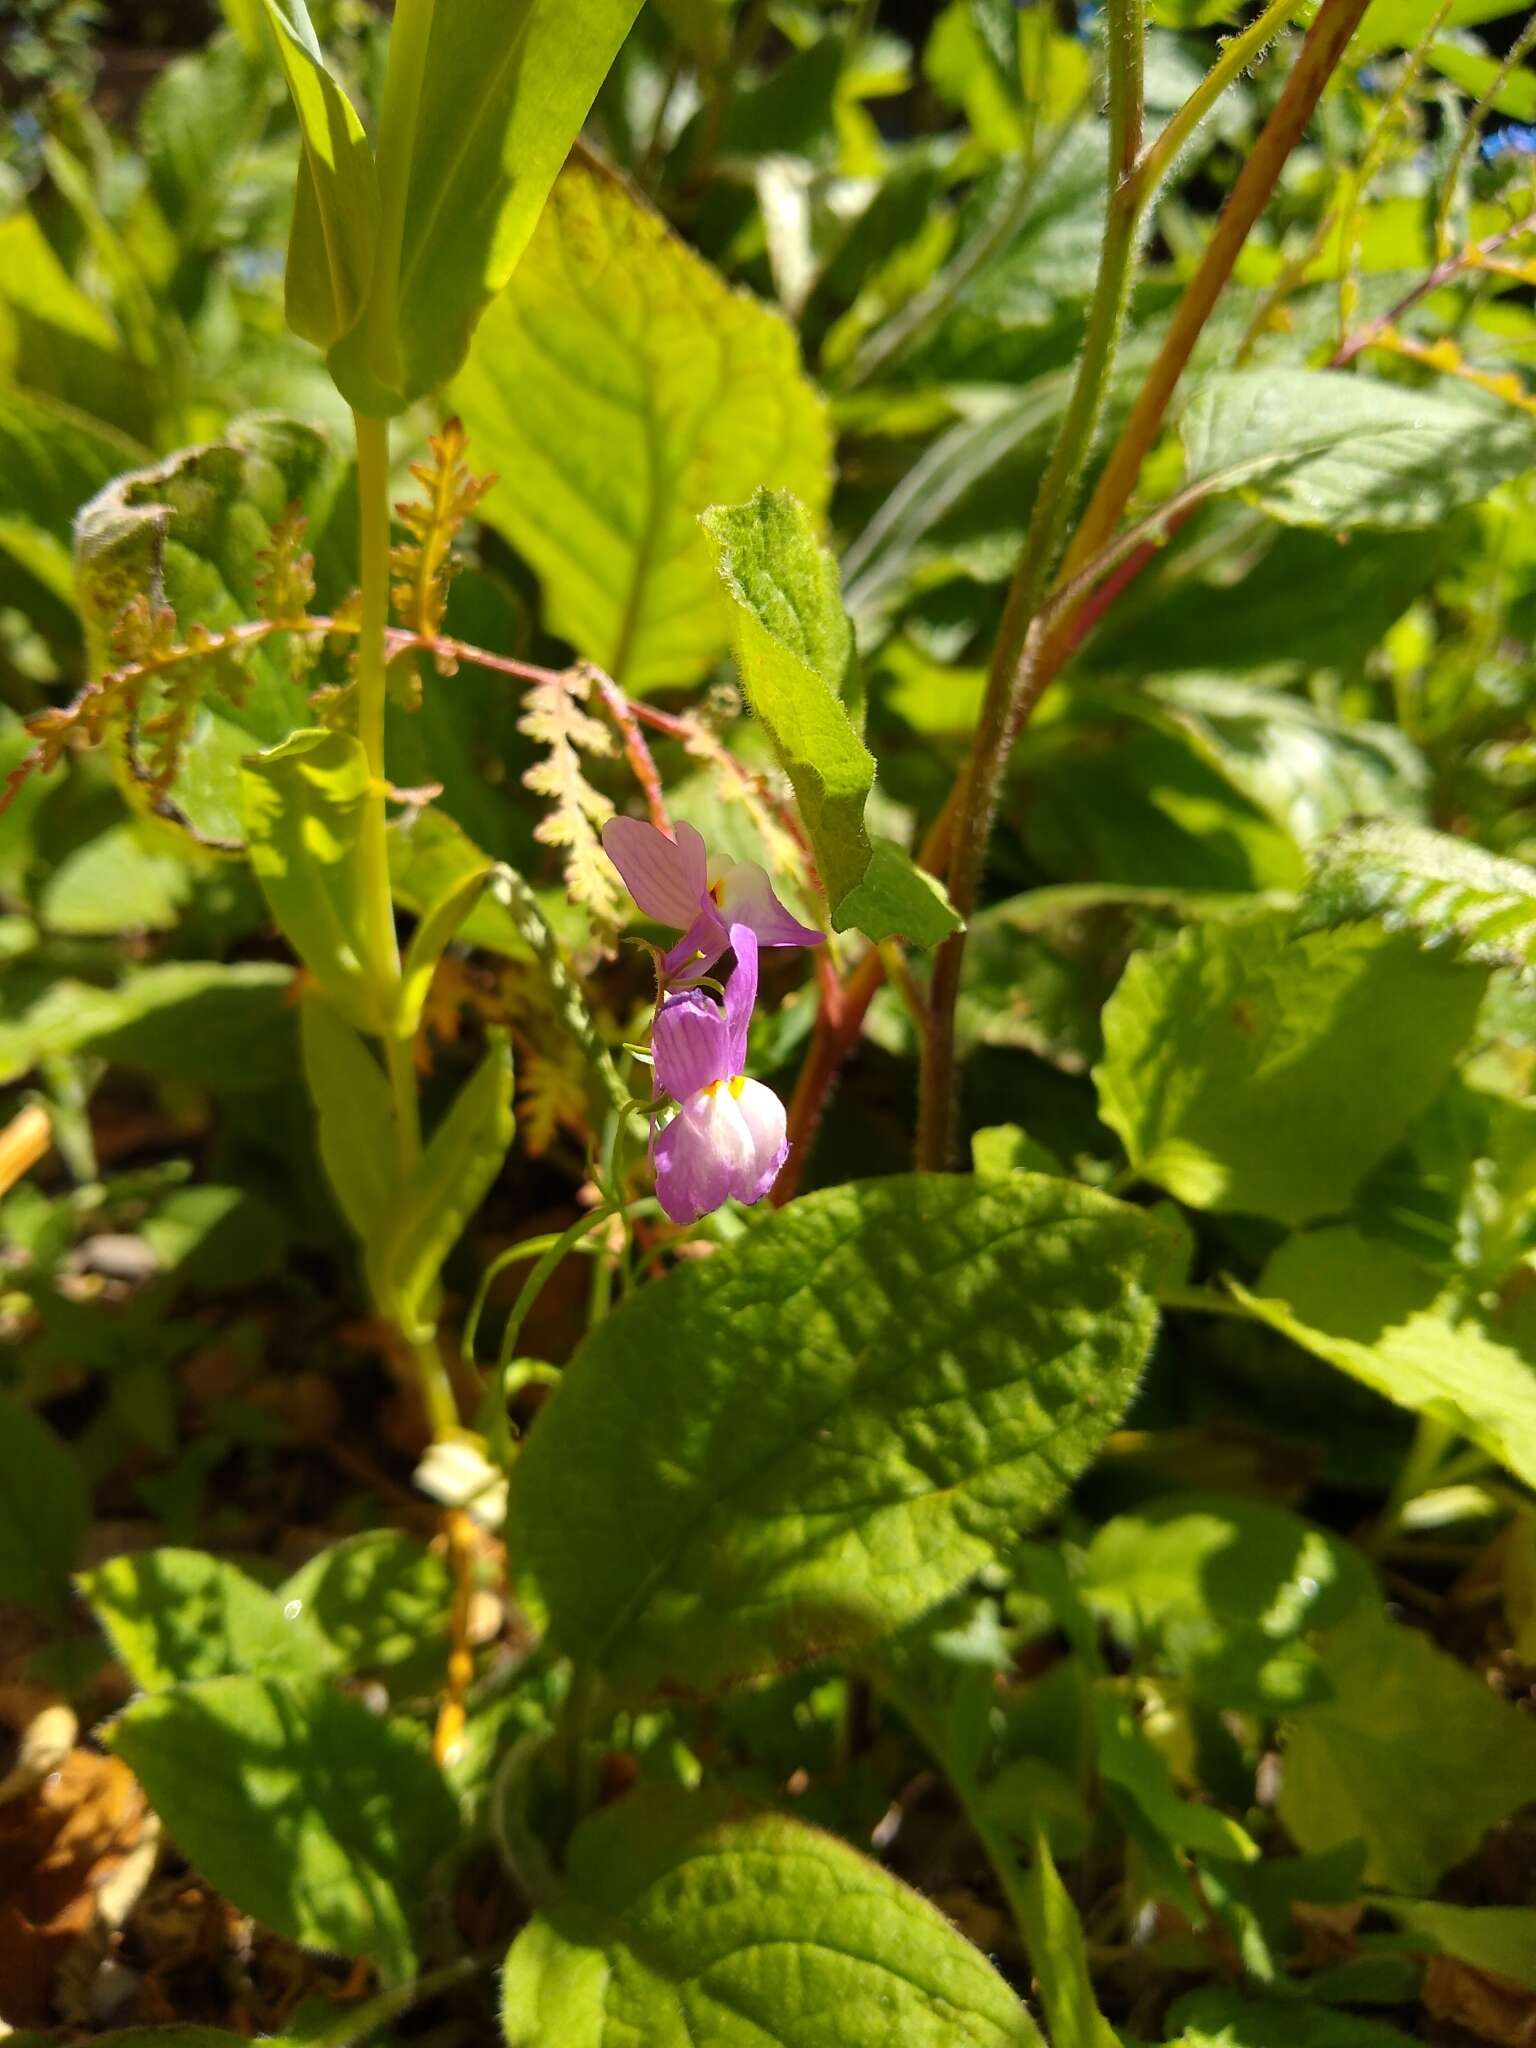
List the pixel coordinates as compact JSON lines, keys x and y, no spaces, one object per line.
{"x":1138,"y":1776}
{"x":1224,"y":1590}
{"x":1059,"y":1955}
{"x":426,"y":1219}
{"x":1218,"y":2017}
{"x":178,"y":1615}
{"x":1372,"y":1310}
{"x":688,"y":1919}
{"x":199,"y":119}
{"x":1005,"y":1148}
{"x":355,"y":1116}
{"x":332,"y":248}
{"x":44,"y":1508}
{"x":1497,"y":1938}
{"x":1402,"y":24}
{"x":379,"y":1599}
{"x":810,"y":1438}
{"x":52,"y":458}
{"x":439,"y":922}
{"x":305,"y":804}
{"x":191,"y":532}
{"x":794,"y":648}
{"x":1356,"y":451}
{"x":430,"y":860}
{"x":481,"y":102}
{"x":1357,"y":1765}
{"x":1475,"y":905}
{"x":898,"y":899}
{"x":126,"y":879}
{"x":320,"y":1819}
{"x":618,"y":388}
{"x":1247,"y":1070}
{"x":1476,"y":75}
{"x":56,"y":340}
{"x":196,"y":1021}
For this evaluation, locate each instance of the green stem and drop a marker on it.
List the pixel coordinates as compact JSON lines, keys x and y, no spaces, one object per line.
{"x":1053,"y":508}
{"x":1431,"y":1440}
{"x":1236,"y":55}
{"x":378,"y":908}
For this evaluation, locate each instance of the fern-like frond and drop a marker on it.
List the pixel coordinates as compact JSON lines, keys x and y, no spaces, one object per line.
{"x":286,"y":584}
{"x":424,"y":565}
{"x":557,"y":717}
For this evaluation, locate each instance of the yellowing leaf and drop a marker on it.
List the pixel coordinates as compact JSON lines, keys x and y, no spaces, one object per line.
{"x":618,"y":387}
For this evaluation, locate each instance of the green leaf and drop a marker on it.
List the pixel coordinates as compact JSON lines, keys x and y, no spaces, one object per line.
{"x":1402,"y":24}
{"x":794,"y":648}
{"x":430,"y":860}
{"x":1351,"y":450}
{"x":1497,"y":1938}
{"x":195,"y":1021}
{"x":1223,"y":1590}
{"x":320,"y":1819}
{"x":1355,"y":1766}
{"x":44,"y":1508}
{"x":619,"y":387}
{"x":1475,"y":905}
{"x":1373,"y":1311}
{"x":198,"y":120}
{"x":810,"y":1438}
{"x":305,"y":806}
{"x":52,"y":458}
{"x":438,"y":923}
{"x":126,"y":879}
{"x":1060,"y":1956}
{"x":898,"y":900}
{"x":1218,"y":2017}
{"x":426,"y":1219}
{"x":379,"y":1599}
{"x":1005,"y":1148}
{"x":1141,"y":1778}
{"x":336,"y":205}
{"x":355,"y":1115}
{"x":178,"y":1615}
{"x":482,"y":100}
{"x":191,"y":532}
{"x":686,"y":1919}
{"x":1246,"y":1070}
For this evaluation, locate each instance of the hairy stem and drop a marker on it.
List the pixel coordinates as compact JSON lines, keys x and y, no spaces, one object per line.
{"x":1053,"y":509}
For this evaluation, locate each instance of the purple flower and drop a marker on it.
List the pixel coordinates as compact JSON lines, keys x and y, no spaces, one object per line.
{"x":670,"y":880}
{"x":728,"y":1136}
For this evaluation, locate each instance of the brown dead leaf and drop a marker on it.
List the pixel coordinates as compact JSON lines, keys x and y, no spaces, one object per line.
{"x":60,"y":1845}
{"x":1494,"y":2008}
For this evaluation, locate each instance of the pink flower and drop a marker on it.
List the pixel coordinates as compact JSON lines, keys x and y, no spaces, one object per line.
{"x":728,"y":1136}
{"x":670,"y":880}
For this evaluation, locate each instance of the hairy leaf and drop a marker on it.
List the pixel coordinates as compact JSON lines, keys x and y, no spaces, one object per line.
{"x":1372,"y":1310}
{"x":307,"y":1811}
{"x":178,"y":1615}
{"x":1354,"y":1765}
{"x":1452,"y":895}
{"x":1246,"y":1070}
{"x":689,"y":1919}
{"x":822,"y":1430}
{"x":898,"y":899}
{"x":618,"y":388}
{"x":794,"y":648}
{"x":1351,"y":450}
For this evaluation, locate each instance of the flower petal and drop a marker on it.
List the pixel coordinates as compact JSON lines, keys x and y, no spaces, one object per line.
{"x":762,"y":1118}
{"x":668,"y":878}
{"x":693,"y":1171}
{"x":740,"y":997}
{"x":690,"y":1044}
{"x":745,"y":896}
{"x":706,"y":937}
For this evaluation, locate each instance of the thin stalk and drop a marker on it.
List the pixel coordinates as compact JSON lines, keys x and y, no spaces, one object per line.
{"x":1515,"y":54}
{"x":1160,"y":154}
{"x":1053,"y":509}
{"x":1324,"y":46}
{"x":378,"y":909}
